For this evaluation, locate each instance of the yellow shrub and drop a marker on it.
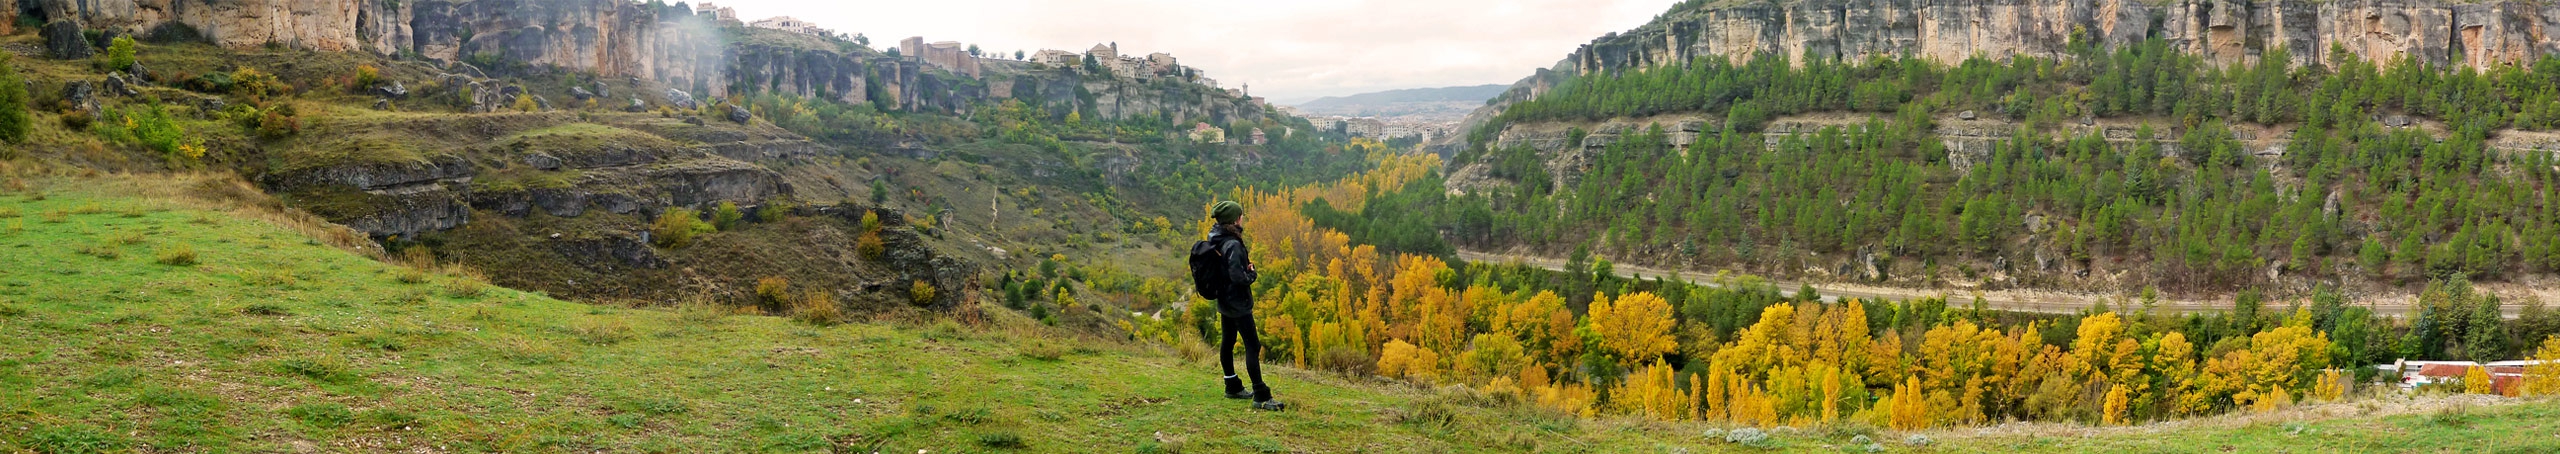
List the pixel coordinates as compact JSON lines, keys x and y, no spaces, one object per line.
{"x":818,"y":307}
{"x":774,"y":290}
{"x":923,"y":293}
{"x":870,"y":246}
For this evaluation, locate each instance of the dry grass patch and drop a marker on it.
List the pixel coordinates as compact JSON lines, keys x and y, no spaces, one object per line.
{"x":176,"y":255}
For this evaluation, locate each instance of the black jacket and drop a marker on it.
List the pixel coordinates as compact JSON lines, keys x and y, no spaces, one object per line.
{"x":1238,"y":302}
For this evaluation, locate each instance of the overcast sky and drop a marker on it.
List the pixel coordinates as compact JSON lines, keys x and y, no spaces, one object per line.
{"x":1289,"y":50}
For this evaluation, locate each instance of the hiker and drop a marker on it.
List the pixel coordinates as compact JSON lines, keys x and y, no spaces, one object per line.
{"x":1222,"y":270}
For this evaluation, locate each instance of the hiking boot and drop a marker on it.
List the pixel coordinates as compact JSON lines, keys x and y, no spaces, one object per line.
{"x":1235,"y":389}
{"x":1270,"y":405}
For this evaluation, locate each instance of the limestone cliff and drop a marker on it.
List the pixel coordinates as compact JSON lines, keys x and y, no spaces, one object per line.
{"x":2443,"y":32}
{"x":671,"y":45}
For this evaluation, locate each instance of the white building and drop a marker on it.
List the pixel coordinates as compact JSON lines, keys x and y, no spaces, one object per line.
{"x":790,"y":24}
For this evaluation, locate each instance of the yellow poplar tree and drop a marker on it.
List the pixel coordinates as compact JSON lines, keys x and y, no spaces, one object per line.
{"x":1637,"y":327}
{"x":2477,"y":381}
{"x":2544,"y":379}
{"x":2119,"y":403}
{"x":1651,"y":392}
{"x":1403,"y":360}
{"x":1908,"y":408}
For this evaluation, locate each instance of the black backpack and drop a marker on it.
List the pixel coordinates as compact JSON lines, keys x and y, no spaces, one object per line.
{"x":1209,"y":268}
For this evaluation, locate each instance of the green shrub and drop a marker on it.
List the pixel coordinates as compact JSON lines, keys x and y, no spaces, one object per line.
{"x":14,"y":122}
{"x":120,"y":54}
{"x":678,"y":226}
{"x":151,"y":127}
{"x":773,"y":210}
{"x":256,"y":85}
{"x":726,"y":216}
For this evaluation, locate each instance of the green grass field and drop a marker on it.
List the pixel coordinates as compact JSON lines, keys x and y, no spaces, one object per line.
{"x":112,"y":339}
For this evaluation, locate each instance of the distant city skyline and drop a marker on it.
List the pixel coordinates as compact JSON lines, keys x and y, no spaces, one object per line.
{"x":1288,"y":52}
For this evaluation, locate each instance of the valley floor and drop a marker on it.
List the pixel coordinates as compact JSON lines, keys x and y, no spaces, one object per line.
{"x":137,"y":317}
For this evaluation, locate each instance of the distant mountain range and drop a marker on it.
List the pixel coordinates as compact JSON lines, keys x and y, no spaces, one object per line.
{"x":1448,"y":102}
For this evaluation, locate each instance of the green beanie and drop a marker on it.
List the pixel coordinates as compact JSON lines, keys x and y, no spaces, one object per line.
{"x":1226,"y":212}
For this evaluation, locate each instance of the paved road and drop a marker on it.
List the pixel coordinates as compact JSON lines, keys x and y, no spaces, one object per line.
{"x":2007,"y":300}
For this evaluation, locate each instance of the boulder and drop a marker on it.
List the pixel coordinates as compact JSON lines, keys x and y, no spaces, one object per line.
{"x":511,"y":91}
{"x":63,"y":41}
{"x":600,"y":90}
{"x":740,"y":115}
{"x":541,"y":103}
{"x":116,"y":86}
{"x":82,"y":95}
{"x":394,"y":91}
{"x":1965,"y":115}
{"x":581,"y":93}
{"x":693,"y":120}
{"x":544,"y":161}
{"x":141,"y":75}
{"x":637,"y":106}
{"x":381,"y":104}
{"x":680,"y":99}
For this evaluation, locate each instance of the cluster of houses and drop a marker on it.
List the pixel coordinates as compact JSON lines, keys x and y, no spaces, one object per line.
{"x":1108,"y":58}
{"x":729,"y":15}
{"x":2505,"y":377}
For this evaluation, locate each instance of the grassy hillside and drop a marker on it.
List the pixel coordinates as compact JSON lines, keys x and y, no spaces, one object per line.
{"x":272,"y":337}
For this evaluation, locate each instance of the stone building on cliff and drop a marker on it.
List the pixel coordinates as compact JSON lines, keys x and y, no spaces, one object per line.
{"x":947,"y":55}
{"x":791,"y":24}
{"x":717,"y":13}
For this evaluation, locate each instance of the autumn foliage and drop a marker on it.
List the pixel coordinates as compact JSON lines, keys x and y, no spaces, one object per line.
{"x":1742,"y":353}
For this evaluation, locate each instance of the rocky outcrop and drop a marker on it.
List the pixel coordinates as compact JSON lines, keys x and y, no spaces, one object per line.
{"x":327,"y":25}
{"x":916,"y":261}
{"x":63,"y":40}
{"x":2443,"y":32}
{"x":657,"y":42}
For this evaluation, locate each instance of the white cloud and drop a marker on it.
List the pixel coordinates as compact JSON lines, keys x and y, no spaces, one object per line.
{"x":1287,"y":50}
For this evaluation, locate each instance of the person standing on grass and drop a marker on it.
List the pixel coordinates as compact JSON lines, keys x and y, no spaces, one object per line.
{"x":1222,"y":270}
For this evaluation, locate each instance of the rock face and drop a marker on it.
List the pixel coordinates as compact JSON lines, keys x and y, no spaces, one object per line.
{"x":2477,"y":34}
{"x":328,"y":25}
{"x":2472,"y":33}
{"x":668,"y":44}
{"x":62,"y":40}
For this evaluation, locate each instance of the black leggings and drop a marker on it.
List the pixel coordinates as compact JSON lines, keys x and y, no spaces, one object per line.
{"x":1242,"y":326}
